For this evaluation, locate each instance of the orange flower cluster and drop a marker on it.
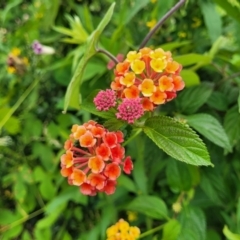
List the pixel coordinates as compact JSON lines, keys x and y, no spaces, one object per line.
{"x":93,"y":158}
{"x":122,"y":231}
{"x":151,"y":75}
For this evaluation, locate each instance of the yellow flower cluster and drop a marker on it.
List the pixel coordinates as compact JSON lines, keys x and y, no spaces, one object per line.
{"x":122,"y":231}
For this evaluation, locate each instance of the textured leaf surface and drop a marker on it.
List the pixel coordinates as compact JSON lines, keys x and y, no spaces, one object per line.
{"x":177,"y":140}
{"x":149,"y":205}
{"x":171,"y":230}
{"x":193,"y":224}
{"x":210,"y":128}
{"x":191,"y":99}
{"x":72,"y":97}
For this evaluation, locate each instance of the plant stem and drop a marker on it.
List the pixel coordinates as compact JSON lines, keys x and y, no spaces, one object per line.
{"x":18,"y":103}
{"x":151,"y":231}
{"x":135,"y":134}
{"x":107,"y":53}
{"x":161,"y":21}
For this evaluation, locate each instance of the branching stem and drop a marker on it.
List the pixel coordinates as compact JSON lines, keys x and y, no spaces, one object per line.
{"x":161,"y":21}
{"x":107,"y":53}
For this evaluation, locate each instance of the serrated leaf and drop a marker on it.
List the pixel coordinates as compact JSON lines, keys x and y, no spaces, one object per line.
{"x":210,"y":128}
{"x":212,"y":19}
{"x":193,"y":224}
{"x":171,"y":230}
{"x":232,"y":124}
{"x":229,"y":235}
{"x":192,"y":98}
{"x":72,"y":97}
{"x":177,"y":140}
{"x":149,"y":205}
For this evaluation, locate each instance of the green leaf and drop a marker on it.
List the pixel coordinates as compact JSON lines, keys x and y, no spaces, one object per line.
{"x":127,"y":183}
{"x":210,"y":128}
{"x":171,"y":230}
{"x":218,"y":101}
{"x":19,"y":190}
{"x":47,"y":189}
{"x":212,"y":19}
{"x":12,"y":125}
{"x":229,"y":235}
{"x":173,"y":45}
{"x":232,"y":125}
{"x":231,"y":10}
{"x":239,"y":100}
{"x":190,"y":78}
{"x":192,"y":58}
{"x":191,"y":99}
{"x":114,"y":124}
{"x":180,"y":176}
{"x":177,"y":140}
{"x":149,"y":205}
{"x":193,"y":224}
{"x":72,"y":94}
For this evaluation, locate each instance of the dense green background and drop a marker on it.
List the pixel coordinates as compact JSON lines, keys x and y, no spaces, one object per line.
{"x":37,"y":203}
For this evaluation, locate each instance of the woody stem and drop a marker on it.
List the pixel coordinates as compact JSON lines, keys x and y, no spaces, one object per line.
{"x":108,"y":54}
{"x":161,"y":21}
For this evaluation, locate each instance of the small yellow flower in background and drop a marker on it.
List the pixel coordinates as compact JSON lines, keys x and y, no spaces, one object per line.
{"x":132,"y":216}
{"x":153,"y":1}
{"x":16,"y":52}
{"x":177,"y":207}
{"x":25,"y":61}
{"x":121,"y":231}
{"x":182,"y":34}
{"x":151,"y":23}
{"x":196,"y":22}
{"x":11,"y":70}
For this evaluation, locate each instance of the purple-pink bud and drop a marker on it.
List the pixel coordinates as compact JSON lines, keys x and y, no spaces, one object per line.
{"x":130,"y":110}
{"x":105,"y":100}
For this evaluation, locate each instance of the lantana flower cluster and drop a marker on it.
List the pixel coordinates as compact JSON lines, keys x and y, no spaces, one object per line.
{"x":144,"y":80}
{"x":122,"y":231}
{"x":94,"y":158}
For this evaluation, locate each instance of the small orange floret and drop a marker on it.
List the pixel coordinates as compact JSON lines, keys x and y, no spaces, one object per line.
{"x":88,"y":125}
{"x":66,"y":172}
{"x":172,"y":67}
{"x":168,"y":56}
{"x":122,"y":68}
{"x":78,"y":177}
{"x":96,"y":164}
{"x":103,"y":151}
{"x":138,"y":66}
{"x":97,"y":131}
{"x":178,"y":83}
{"x":87,"y":140}
{"x":81,"y":130}
{"x":165,"y":84}
{"x":147,"y":104}
{"x":145,"y":51}
{"x":158,"y":97}
{"x":67,"y":159}
{"x":133,"y":55}
{"x":117,"y":153}
{"x":131,"y":92}
{"x":158,"y":54}
{"x":116,"y":85}
{"x":110,"y":139}
{"x":112,"y":171}
{"x":97,"y":180}
{"x":120,"y":136}
{"x":74,"y":128}
{"x":158,"y":64}
{"x":68,"y":144}
{"x":110,"y":187}
{"x":147,"y":87}
{"x":128,"y":79}
{"x":87,"y":189}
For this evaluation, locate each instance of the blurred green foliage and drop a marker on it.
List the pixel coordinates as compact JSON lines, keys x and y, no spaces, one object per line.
{"x":189,"y":202}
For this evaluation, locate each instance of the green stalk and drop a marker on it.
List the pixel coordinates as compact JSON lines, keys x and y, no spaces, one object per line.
{"x":18,"y":103}
{"x":149,"y":232}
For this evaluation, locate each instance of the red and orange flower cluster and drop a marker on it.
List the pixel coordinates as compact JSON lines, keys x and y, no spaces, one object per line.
{"x":149,"y":77}
{"x":93,"y":158}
